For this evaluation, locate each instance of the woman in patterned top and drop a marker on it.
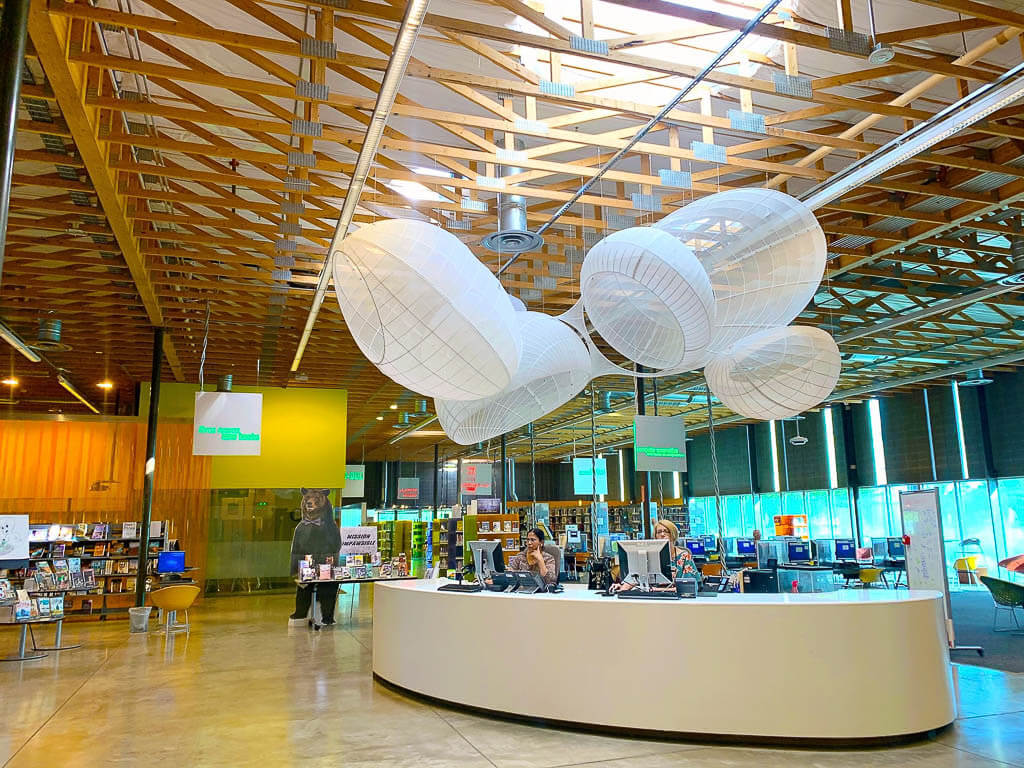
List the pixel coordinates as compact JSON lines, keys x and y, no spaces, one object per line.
{"x":681,"y":558}
{"x":535,"y":559}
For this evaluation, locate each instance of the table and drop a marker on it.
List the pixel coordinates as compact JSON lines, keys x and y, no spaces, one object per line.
{"x":26,"y":628}
{"x":844,"y":666}
{"x":315,"y":619}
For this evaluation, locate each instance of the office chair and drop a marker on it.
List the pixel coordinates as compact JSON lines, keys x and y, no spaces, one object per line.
{"x":559,"y":555}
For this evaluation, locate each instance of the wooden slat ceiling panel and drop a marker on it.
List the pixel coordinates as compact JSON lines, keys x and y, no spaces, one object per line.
{"x":159,"y":192}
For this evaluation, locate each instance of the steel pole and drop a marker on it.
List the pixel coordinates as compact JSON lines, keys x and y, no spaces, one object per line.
{"x":13,"y":36}
{"x":147,"y":483}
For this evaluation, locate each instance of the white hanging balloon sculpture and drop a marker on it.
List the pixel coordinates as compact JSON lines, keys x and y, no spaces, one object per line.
{"x":648,"y":296}
{"x":764,"y":252}
{"x":425,"y":311}
{"x":776,"y":373}
{"x":554,"y":367}
{"x":715,"y":284}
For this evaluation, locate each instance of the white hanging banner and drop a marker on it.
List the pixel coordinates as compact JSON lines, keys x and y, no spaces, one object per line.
{"x":659,"y":443}
{"x":355,"y":476}
{"x":227,"y":424}
{"x":925,"y":550}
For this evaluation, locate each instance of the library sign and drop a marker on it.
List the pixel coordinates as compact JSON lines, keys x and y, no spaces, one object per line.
{"x":355,"y":477}
{"x":659,"y":443}
{"x":227,"y":424}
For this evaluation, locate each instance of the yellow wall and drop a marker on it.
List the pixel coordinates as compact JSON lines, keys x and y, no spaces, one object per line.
{"x":302,"y":442}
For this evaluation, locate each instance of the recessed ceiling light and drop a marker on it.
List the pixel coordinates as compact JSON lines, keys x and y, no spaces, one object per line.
{"x":10,"y":382}
{"x":380,"y":418}
{"x":393,"y":406}
{"x":106,"y":384}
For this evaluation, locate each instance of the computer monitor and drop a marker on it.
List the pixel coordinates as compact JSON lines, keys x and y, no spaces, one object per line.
{"x":846,"y":549}
{"x":696,"y":547}
{"x":644,"y":558}
{"x":798,"y":551}
{"x":896,"y":549}
{"x":487,"y":558}
{"x":170,"y":562}
{"x":710,"y":542}
{"x":745,"y":547}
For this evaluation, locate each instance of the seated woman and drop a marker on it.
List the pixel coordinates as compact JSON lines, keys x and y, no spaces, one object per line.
{"x":683,"y":566}
{"x":535,"y":559}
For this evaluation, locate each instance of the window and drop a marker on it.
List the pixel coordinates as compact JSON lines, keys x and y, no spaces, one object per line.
{"x":960,"y":431}
{"x":976,"y":517}
{"x":776,"y":486}
{"x":830,"y":448}
{"x":1011,"y":508}
{"x":873,"y":504}
{"x":842,"y":513}
{"x":819,"y":518}
{"x":877,"y":446}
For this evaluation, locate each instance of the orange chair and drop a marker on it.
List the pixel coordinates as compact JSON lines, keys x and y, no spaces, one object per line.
{"x":170,"y":600}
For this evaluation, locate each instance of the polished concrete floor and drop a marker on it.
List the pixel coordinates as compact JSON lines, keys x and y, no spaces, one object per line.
{"x":245,"y":690}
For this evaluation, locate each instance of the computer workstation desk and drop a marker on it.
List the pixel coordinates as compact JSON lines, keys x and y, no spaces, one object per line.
{"x":792,"y":655}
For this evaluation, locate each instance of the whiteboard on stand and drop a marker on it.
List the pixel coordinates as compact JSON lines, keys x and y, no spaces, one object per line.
{"x":926,"y":550}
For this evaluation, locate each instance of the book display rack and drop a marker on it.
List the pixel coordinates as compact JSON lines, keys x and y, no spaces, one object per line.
{"x":92,"y":567}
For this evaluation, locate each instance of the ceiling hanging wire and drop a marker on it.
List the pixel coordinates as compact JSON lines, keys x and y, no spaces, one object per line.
{"x":650,"y":124}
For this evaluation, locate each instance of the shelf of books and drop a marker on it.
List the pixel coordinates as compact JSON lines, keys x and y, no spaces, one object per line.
{"x":563,"y":513}
{"x":448,"y":536}
{"x":498,"y":527}
{"x":94,"y":566}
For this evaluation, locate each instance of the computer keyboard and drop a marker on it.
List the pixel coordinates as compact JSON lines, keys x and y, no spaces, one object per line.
{"x":633,"y":594}
{"x":460,"y":588}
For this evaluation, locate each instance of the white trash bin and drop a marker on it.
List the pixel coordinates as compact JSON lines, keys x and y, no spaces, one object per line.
{"x":138,"y":619}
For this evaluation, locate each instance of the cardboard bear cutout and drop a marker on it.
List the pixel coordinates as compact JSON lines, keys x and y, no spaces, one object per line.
{"x":317,"y":533}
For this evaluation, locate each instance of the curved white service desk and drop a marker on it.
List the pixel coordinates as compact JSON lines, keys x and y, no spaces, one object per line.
{"x":846,"y":665}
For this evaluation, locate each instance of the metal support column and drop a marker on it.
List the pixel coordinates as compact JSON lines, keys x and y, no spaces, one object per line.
{"x":13,"y":35}
{"x":755,"y":485}
{"x":147,"y":483}
{"x":437,"y":476}
{"x":504,"y":478}
{"x":641,"y":410}
{"x":852,"y":475}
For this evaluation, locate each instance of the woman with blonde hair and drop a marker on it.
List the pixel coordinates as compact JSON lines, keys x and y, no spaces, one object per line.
{"x":680,"y":557}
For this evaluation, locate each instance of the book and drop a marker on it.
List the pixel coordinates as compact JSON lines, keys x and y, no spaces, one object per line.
{"x":89,"y":578}
{"x":37,"y":534}
{"x":122,"y":566}
{"x":337,"y":573}
{"x":6,"y":590}
{"x":385,"y":570}
{"x":325,"y":571}
{"x":52,"y":532}
{"x":42,"y":606}
{"x":156,"y":528}
{"x":375,"y":558}
{"x":129,"y":530}
{"x":57,"y":606}
{"x":346,"y":573}
{"x":99,"y":531}
{"x":129,"y":585}
{"x":74,"y":564}
{"x":77,"y":580}
{"x":57,"y":550}
{"x":23,"y":610}
{"x":508,"y":526}
{"x":81,"y":530}
{"x":65,"y":533}
{"x":484,"y":526}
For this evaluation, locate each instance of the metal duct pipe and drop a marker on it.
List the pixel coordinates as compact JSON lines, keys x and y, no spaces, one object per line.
{"x":401,"y":52}
{"x":13,"y":36}
{"x":513,"y":235}
{"x":224,"y":383}
{"x":49,"y":330}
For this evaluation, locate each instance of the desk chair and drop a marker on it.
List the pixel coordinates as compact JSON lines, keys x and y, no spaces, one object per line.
{"x":170,"y":600}
{"x":865,"y":555}
{"x":559,"y":554}
{"x":869,"y":576}
{"x":1006,"y":596}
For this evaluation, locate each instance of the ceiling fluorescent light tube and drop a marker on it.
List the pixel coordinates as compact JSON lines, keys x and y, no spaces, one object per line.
{"x":78,"y":395}
{"x":18,"y":343}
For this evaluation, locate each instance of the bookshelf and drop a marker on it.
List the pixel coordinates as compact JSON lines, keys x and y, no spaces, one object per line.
{"x":497,"y":527}
{"x":94,"y":566}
